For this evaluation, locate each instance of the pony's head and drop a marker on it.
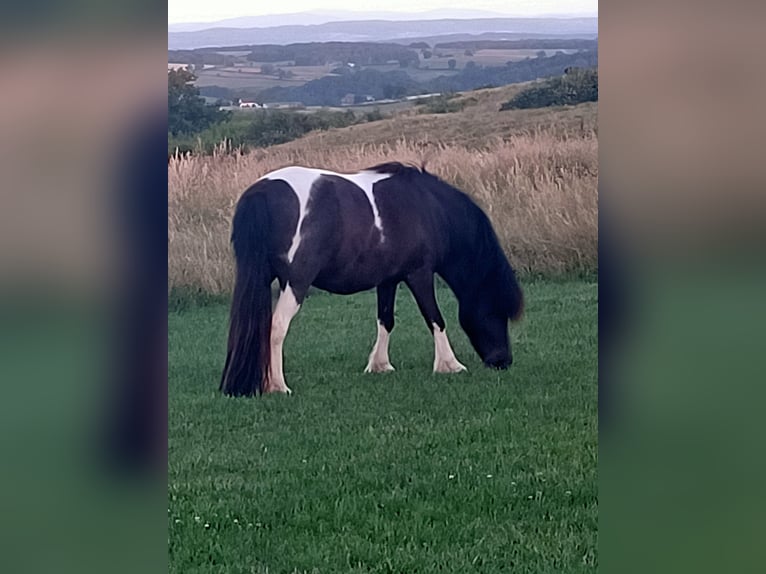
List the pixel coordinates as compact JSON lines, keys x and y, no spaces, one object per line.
{"x":486,"y":325}
{"x":484,"y":316}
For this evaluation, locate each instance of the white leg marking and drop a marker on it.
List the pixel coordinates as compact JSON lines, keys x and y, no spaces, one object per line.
{"x":287,"y":307}
{"x":444,"y":357}
{"x":379,"y":362}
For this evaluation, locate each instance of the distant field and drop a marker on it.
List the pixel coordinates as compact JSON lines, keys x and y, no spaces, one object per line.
{"x":248,"y":76}
{"x":406,"y":472}
{"x":481,"y":57}
{"x":242,"y":80}
{"x":237,"y":53}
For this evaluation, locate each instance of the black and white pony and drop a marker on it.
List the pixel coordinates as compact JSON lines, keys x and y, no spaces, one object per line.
{"x":345,"y":233}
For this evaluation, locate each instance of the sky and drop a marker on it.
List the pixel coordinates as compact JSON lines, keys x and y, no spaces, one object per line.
{"x":207,"y":11}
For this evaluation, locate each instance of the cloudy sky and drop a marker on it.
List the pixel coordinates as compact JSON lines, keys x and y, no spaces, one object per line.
{"x":207,"y":11}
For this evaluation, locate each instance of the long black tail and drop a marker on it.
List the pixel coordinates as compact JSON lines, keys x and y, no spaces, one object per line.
{"x":248,"y":353}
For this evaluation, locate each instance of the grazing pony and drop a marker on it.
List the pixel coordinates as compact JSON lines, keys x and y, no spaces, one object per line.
{"x":345,"y":233}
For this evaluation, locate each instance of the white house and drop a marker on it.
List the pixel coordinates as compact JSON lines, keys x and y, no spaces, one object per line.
{"x":243,"y":104}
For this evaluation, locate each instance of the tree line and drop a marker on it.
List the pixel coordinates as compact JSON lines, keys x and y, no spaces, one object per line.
{"x":194,"y":126}
{"x":527,"y":44}
{"x":329,"y":90}
{"x":306,"y":54}
{"x":576,"y":86}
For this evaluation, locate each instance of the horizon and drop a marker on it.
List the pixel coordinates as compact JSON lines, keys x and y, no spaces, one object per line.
{"x":198,"y":12}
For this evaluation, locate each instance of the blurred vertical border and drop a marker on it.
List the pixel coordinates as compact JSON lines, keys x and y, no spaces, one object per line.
{"x":682,"y":284}
{"x":83,"y":250}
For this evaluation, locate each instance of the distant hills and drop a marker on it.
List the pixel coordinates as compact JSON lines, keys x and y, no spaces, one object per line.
{"x":275,"y":30}
{"x":314,"y":17}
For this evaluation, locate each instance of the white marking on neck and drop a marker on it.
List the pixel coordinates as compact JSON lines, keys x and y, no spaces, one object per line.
{"x":301,"y":180}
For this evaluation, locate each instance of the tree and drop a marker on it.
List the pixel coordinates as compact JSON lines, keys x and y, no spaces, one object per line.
{"x":540,"y":53}
{"x":268,"y":69}
{"x":187,"y":111}
{"x":572,"y":88}
{"x":451,"y":63}
{"x":468,"y":52}
{"x":427,"y":54}
{"x":393,"y":91}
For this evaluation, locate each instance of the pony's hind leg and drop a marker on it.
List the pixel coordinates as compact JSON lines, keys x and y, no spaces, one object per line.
{"x":287,"y":307}
{"x":379,"y":361}
{"x":421,"y":283}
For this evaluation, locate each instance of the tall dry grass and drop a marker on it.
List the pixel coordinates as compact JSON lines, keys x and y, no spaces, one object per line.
{"x":539,"y":189}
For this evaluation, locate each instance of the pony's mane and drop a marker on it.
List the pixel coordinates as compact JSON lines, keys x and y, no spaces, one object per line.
{"x":495,"y":263}
{"x":397,"y":168}
{"x":489,"y":264}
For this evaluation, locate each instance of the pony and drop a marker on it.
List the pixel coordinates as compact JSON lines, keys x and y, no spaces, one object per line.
{"x":346,"y":233}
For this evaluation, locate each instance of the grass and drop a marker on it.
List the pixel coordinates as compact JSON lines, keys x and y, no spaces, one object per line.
{"x":405,"y":472}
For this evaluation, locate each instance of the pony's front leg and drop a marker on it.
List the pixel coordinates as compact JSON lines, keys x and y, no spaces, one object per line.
{"x":286,"y":308}
{"x":379,"y":361}
{"x":444,"y":358}
{"x":421,"y":283}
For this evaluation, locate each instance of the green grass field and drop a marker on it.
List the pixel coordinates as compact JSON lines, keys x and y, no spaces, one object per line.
{"x":404,"y":472}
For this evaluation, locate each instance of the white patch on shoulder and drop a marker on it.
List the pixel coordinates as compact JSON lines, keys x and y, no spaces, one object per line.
{"x":366,"y":180}
{"x":301,"y":179}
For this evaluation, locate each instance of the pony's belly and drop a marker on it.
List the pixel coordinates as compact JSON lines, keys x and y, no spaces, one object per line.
{"x":356,"y":270}
{"x":343,"y":285}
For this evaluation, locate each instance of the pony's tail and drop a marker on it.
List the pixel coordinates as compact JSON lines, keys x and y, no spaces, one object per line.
{"x":516,"y":298}
{"x":248,"y":353}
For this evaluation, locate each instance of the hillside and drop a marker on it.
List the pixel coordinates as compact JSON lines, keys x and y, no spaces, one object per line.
{"x":534,"y":171}
{"x":478,"y":125}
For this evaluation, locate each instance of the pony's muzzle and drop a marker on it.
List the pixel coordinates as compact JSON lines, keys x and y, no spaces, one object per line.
{"x":499,"y":363}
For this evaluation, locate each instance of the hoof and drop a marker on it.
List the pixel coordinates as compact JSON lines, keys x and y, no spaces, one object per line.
{"x":453,"y":367}
{"x":378,"y":368}
{"x":284,"y":389}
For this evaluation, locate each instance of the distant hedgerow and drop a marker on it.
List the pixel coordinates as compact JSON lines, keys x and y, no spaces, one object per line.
{"x":574,"y":87}
{"x":444,"y":104}
{"x":260,"y":128}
